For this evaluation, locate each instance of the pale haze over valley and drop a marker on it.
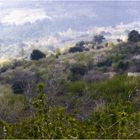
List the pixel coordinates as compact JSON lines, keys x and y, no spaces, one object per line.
{"x":27,"y":24}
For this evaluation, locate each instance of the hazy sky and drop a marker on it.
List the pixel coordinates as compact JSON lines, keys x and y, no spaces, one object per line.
{"x":20,"y":12}
{"x":26,"y":19}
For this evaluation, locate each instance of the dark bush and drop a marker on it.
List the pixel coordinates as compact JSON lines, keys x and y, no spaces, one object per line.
{"x":98,"y":39}
{"x":3,"y":69}
{"x":76,"y":49}
{"x":79,"y":47}
{"x":134,"y":36}
{"x":98,"y":47}
{"x":18,"y":87}
{"x":86,"y":49}
{"x":24,"y":82}
{"x":78,"y":69}
{"x":122,"y":66}
{"x":37,"y":54}
{"x":104,"y":63}
{"x":80,"y":44}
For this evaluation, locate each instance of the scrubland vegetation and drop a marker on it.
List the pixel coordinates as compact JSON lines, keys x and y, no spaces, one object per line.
{"x":83,"y":93}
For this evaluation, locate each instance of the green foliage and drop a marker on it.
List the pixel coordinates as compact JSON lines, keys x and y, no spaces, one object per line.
{"x":12,"y":106}
{"x":118,"y":119}
{"x":115,"y":89}
{"x":110,"y":107}
{"x":126,"y":49}
{"x":40,"y":87}
{"x":115,"y":57}
{"x":83,"y":58}
{"x":77,"y":87}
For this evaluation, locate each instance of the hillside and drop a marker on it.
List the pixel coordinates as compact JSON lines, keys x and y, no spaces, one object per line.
{"x":85,"y":92}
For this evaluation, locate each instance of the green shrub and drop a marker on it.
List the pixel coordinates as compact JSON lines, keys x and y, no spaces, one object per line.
{"x":118,"y":119}
{"x":114,"y":89}
{"x":77,"y":87}
{"x":40,"y":87}
{"x":86,"y":59}
{"x":12,"y":107}
{"x":116,"y":57}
